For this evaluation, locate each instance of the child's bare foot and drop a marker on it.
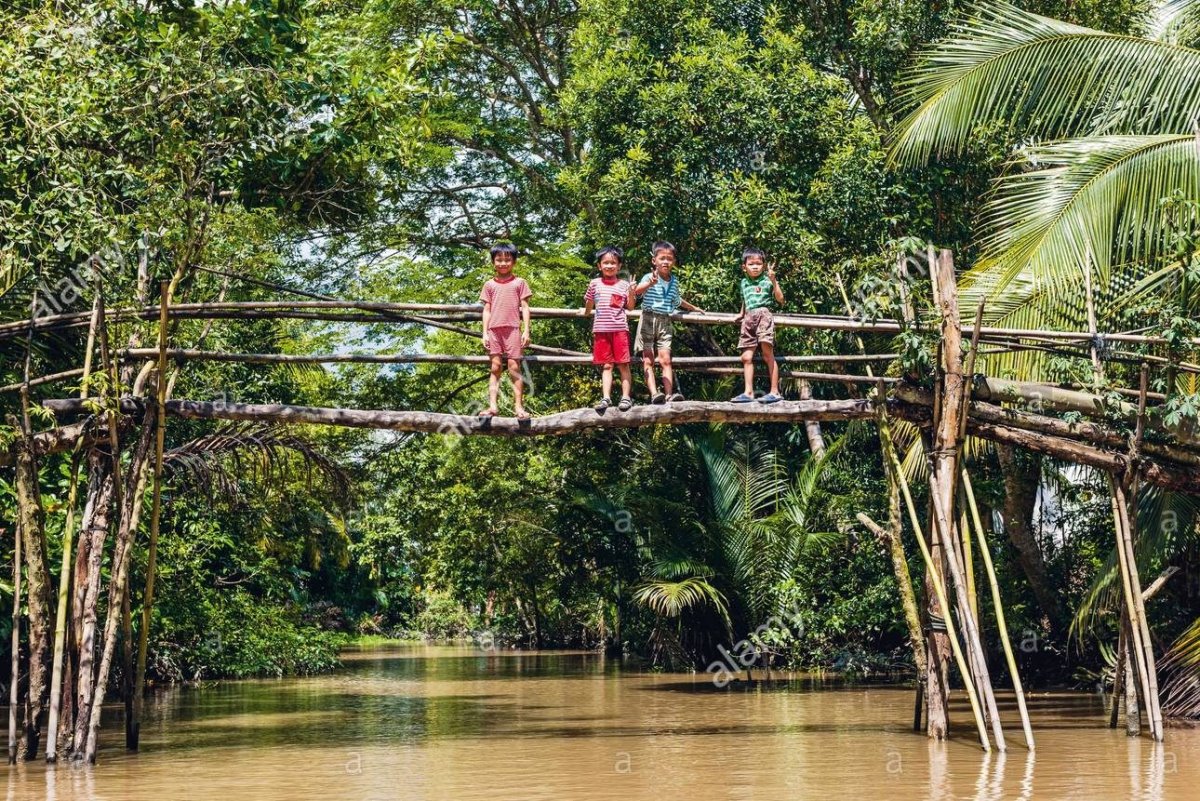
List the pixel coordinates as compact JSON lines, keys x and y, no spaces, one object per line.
{"x":489,"y":413}
{"x":522,"y":414}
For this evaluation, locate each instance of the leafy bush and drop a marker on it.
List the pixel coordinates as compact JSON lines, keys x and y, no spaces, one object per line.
{"x":238,"y":636}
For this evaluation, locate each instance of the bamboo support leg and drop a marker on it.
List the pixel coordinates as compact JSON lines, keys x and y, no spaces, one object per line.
{"x":64,"y":580}
{"x":939,"y":586}
{"x":160,"y":425}
{"x":14,"y":685}
{"x":971,"y":637}
{"x":998,"y":605}
{"x":1118,"y":690}
{"x":1138,"y":623}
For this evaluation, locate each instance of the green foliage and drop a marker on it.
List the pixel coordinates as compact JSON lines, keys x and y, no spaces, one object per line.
{"x":234,"y":635}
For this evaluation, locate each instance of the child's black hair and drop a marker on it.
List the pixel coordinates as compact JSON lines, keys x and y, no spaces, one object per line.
{"x":662,"y":245}
{"x":614,"y":250}
{"x":748,"y":252}
{"x":503,"y":247}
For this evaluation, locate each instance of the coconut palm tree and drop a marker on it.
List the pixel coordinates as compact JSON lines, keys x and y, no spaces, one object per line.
{"x":1108,"y":126}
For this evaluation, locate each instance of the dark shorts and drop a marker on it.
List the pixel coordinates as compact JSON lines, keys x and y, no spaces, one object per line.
{"x":758,"y":326}
{"x":610,"y":347}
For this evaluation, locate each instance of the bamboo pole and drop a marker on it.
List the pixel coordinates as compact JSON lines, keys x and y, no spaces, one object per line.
{"x":160,"y":426}
{"x":885,"y":438}
{"x":1136,"y":648}
{"x":1139,"y":622}
{"x":88,"y":693}
{"x":371,"y":311}
{"x":64,"y":579}
{"x":14,"y":684}
{"x":965,"y":530}
{"x":1118,"y":676}
{"x":998,"y":605}
{"x":190,"y":354}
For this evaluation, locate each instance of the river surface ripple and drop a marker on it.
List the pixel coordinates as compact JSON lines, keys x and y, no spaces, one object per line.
{"x":448,"y":723}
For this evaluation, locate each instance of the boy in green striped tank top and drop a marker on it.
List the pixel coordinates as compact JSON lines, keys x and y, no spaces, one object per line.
{"x":760,"y":293}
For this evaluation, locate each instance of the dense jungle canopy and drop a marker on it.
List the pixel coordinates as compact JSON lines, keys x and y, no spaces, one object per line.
{"x":374,"y":150}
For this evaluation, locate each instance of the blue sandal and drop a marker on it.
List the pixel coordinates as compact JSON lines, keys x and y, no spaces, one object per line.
{"x":743,"y":398}
{"x":770,"y":397}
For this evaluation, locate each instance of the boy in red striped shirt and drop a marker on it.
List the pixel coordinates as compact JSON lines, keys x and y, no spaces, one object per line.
{"x":610,"y":296}
{"x":505,"y":301}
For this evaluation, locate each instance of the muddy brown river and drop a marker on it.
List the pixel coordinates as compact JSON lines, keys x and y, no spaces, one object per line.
{"x":438,"y":723}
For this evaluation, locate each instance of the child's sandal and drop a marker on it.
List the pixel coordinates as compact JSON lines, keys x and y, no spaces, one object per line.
{"x":603,"y":404}
{"x":743,"y":398}
{"x":626,"y":404}
{"x":658,"y":398}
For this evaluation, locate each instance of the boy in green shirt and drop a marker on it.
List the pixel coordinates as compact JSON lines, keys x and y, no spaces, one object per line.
{"x":760,"y":293}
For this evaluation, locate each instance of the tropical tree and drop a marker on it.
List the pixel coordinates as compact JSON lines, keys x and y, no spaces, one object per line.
{"x":1105,"y":127}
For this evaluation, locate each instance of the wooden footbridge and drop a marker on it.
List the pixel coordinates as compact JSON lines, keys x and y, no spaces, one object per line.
{"x":952,"y":403}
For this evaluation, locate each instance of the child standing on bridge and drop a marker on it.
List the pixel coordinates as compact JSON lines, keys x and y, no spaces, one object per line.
{"x":659,"y":290}
{"x":760,"y":293}
{"x":609,"y":296}
{"x":505,"y":299}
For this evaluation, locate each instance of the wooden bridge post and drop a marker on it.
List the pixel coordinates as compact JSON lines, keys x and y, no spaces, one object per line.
{"x":160,"y":429}
{"x":943,"y":479}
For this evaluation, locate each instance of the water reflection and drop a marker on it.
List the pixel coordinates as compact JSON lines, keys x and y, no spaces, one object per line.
{"x":444,"y":723}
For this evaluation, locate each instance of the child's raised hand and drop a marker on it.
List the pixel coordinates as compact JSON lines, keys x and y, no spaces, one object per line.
{"x":771,"y":270}
{"x":653,"y":279}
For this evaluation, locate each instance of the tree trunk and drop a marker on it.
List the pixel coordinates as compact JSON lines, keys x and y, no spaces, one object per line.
{"x":1020,"y":497}
{"x":135,"y":485}
{"x":812,"y":429}
{"x":88,"y":563}
{"x":37,"y":577}
{"x":888,"y":538}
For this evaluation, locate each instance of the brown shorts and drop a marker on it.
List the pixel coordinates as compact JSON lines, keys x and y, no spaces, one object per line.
{"x":758,"y":326}
{"x":653,"y":332}
{"x":505,"y":341}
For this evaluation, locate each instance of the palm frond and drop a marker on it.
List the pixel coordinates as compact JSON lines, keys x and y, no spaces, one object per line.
{"x":744,"y":476}
{"x":1046,"y":79}
{"x":1178,"y":22}
{"x":1095,"y":202}
{"x":1180,"y":669}
{"x":219,"y":460}
{"x":672,"y":598}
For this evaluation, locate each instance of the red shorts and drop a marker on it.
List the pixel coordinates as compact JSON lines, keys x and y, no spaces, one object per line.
{"x":610,"y":347}
{"x":504,"y":341}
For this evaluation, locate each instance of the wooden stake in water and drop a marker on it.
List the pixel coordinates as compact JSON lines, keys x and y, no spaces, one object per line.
{"x":64,"y":579}
{"x":885,"y":438}
{"x":998,"y":605}
{"x":160,"y":428}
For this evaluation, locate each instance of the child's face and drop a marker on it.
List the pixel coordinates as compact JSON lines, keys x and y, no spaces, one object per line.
{"x":503,"y":263}
{"x":609,"y":265}
{"x":663,"y":261}
{"x":753,"y":266}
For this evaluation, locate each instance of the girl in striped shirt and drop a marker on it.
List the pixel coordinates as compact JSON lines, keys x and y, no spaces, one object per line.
{"x":609,"y":296}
